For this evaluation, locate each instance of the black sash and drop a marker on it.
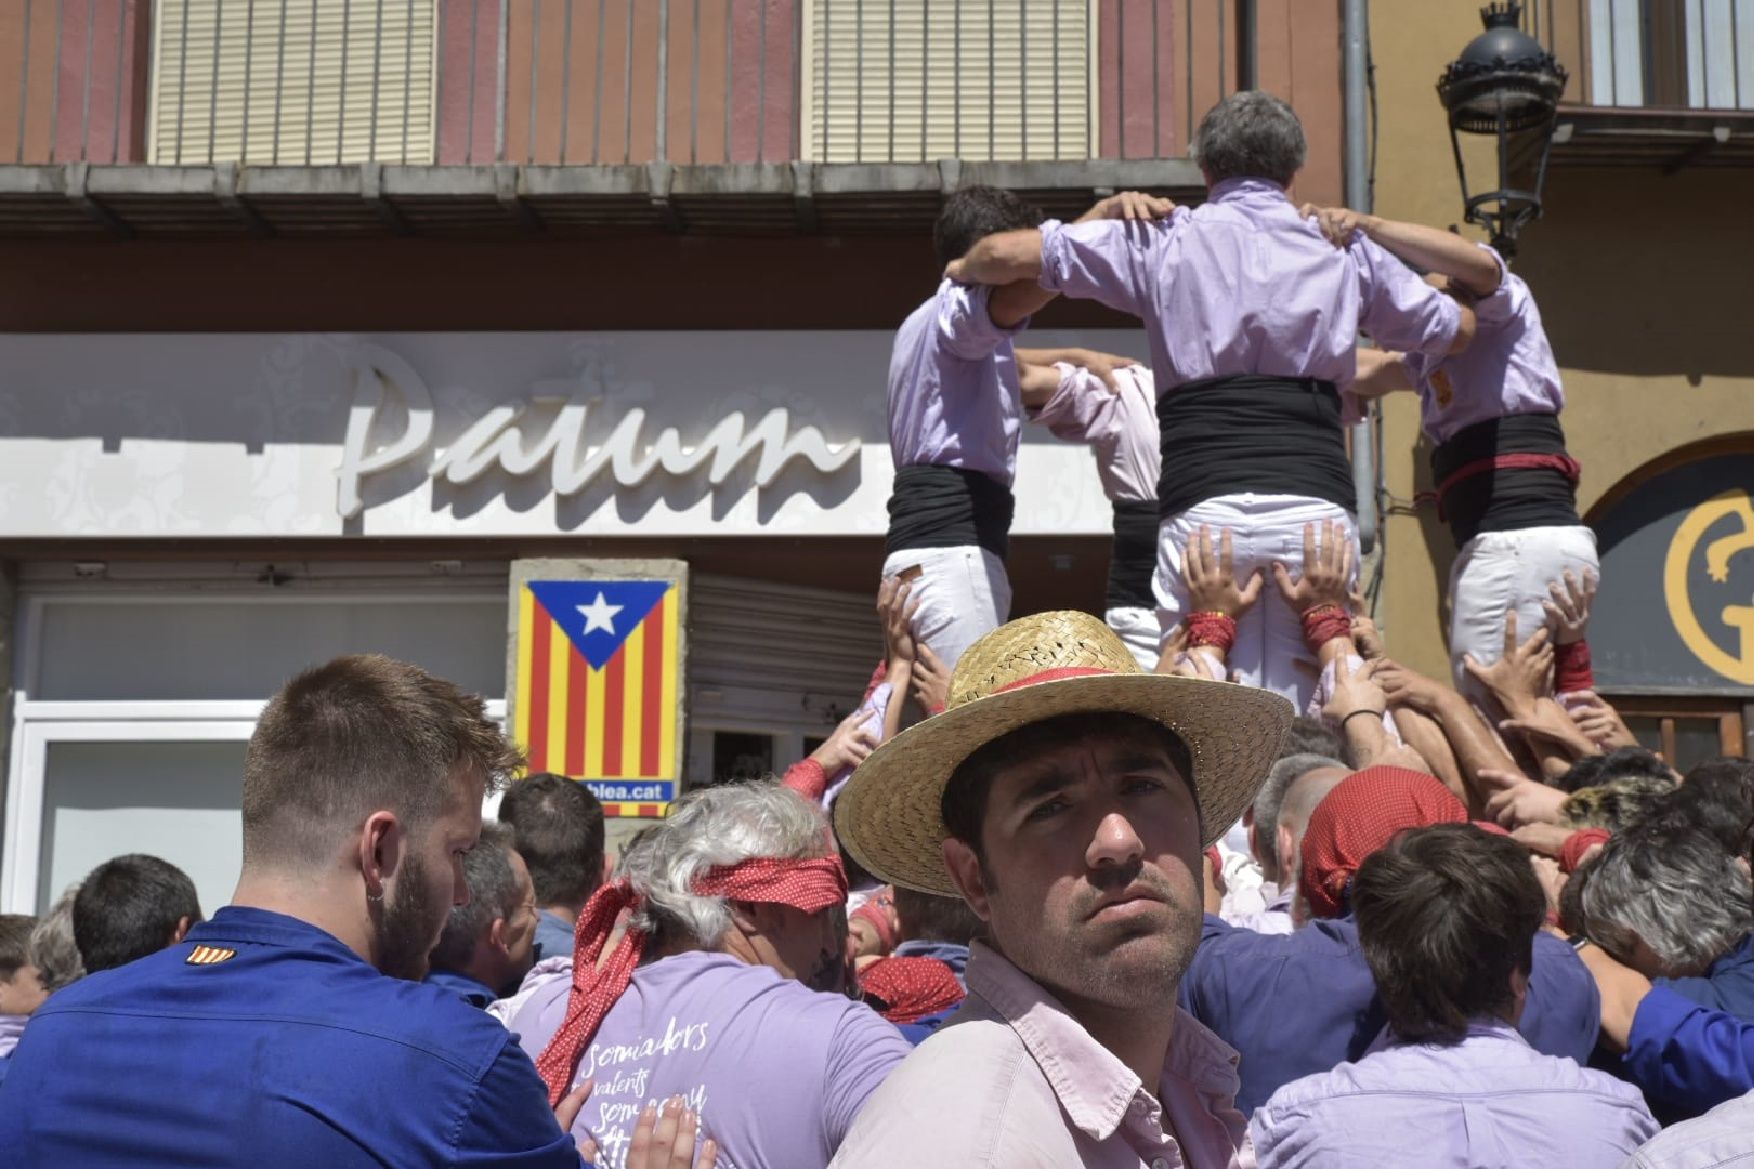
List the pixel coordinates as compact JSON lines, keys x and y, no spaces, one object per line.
{"x":1476,"y":493}
{"x":1252,"y":433}
{"x":948,"y":507}
{"x":1133,"y":558}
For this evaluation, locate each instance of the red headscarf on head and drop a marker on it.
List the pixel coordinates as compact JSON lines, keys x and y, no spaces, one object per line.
{"x":912,"y":988}
{"x":1361,"y":814}
{"x":808,"y":885}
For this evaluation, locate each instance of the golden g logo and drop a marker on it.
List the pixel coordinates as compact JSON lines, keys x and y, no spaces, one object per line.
{"x":1737,"y":666}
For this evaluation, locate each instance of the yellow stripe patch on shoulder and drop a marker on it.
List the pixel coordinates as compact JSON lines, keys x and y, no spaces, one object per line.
{"x":209,"y":955}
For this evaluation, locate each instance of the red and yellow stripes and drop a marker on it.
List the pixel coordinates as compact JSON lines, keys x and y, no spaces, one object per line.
{"x":615,"y":723}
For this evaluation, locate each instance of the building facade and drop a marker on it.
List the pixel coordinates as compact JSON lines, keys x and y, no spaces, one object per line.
{"x":324,"y":314}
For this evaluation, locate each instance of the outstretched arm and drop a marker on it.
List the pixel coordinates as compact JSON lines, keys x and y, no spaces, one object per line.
{"x":1474,"y":268}
{"x":1381,"y":372}
{"x":1004,"y":257}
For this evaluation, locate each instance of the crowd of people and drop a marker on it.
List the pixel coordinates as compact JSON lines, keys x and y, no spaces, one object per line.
{"x":1210,"y":880}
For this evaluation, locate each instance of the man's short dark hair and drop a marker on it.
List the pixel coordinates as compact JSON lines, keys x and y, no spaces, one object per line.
{"x":130,"y":907}
{"x":557,"y":827}
{"x":1622,"y":763}
{"x":973,"y":213}
{"x":1717,"y":799}
{"x":1446,"y":914}
{"x":928,"y":918}
{"x":1250,"y":135}
{"x":964,"y":803}
{"x":493,"y":892}
{"x":15,"y":942}
{"x":357,"y":735}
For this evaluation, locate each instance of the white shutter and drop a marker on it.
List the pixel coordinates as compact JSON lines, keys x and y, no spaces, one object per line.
{"x":292,"y":81}
{"x":776,"y":657}
{"x":915,"y":80}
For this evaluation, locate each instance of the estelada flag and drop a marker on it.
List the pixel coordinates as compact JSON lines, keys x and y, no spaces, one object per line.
{"x":598,"y":667}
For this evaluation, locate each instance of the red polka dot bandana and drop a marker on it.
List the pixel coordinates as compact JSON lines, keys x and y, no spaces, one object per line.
{"x":906,"y":990}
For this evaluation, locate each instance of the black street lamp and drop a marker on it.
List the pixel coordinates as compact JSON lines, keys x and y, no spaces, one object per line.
{"x":1503,"y":84}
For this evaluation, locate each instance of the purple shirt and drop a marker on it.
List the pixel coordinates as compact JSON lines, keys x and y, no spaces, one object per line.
{"x":1490,"y":1101}
{"x":1013,"y":1081}
{"x":776,"y":1071}
{"x":1120,"y":425}
{"x":954,"y":399}
{"x":1509,"y":369}
{"x":1243,"y":284}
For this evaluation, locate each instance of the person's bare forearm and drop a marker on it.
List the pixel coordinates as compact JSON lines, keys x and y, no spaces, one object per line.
{"x":1425,"y":735}
{"x":1437,"y":251}
{"x":1476,"y":748}
{"x":900,"y":678}
{"x":1366,"y":739}
{"x":1001,"y":258}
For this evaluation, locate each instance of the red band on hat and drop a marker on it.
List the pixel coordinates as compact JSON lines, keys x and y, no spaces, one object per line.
{"x":1053,"y":675}
{"x":810,"y":885}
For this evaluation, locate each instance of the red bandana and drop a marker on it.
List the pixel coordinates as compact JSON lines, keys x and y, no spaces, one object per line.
{"x":909,"y":989}
{"x":810,"y":886}
{"x":1361,"y":814}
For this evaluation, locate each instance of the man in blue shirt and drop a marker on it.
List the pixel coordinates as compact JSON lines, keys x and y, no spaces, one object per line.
{"x":557,"y":827}
{"x":488,"y":944}
{"x":1297,"y":1004}
{"x":292,"y":1028}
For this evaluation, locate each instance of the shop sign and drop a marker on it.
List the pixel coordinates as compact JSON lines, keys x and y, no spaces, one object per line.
{"x":512,"y":440}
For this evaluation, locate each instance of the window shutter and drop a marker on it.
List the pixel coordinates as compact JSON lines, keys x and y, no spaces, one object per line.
{"x":915,"y":80}
{"x":292,"y":82}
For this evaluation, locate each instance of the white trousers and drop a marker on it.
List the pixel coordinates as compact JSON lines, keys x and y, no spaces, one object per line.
{"x":1496,"y":572}
{"x":1140,"y":631}
{"x":963,"y":594}
{"x":1269,"y":650}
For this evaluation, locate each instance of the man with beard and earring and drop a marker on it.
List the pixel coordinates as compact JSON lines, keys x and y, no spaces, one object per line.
{"x":727,"y":986}
{"x":292,"y":1028}
{"x":1066,"y":796}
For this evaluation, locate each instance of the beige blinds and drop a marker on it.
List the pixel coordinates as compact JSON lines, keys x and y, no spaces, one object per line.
{"x":915,"y":80}
{"x":292,"y":82}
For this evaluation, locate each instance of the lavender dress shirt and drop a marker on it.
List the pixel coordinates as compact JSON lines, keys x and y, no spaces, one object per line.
{"x":1508,"y":369}
{"x":1120,"y":425}
{"x":1721,"y":1139}
{"x":1014,"y":1082}
{"x":1489,"y":1102}
{"x":1243,"y":284}
{"x":954,"y":398}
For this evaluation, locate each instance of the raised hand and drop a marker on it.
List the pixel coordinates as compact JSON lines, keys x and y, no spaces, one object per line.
{"x":1408,"y":688}
{"x":1211,"y":579}
{"x":848,"y":746}
{"x":930,"y":684}
{"x":1338,"y":224}
{"x":1523,"y":675}
{"x":1355,"y":691}
{"x":1327,"y":569}
{"x":897,"y":615}
{"x":1517,"y":799}
{"x":1600,"y":723}
{"x":1569,"y":609}
{"x":1130,"y":205}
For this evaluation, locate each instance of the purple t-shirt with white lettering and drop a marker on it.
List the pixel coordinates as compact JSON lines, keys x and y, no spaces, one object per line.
{"x":776,"y":1070}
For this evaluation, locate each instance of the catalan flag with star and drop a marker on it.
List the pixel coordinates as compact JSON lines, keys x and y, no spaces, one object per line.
{"x":599,"y":664}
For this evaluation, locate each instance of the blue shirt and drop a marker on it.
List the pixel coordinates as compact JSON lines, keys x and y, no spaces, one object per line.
{"x":554,"y":936}
{"x":951,"y":954}
{"x":1687,"y":1057}
{"x":476,"y":994}
{"x":1298,"y":1004}
{"x":262,"y":1040}
{"x":1727,"y":985}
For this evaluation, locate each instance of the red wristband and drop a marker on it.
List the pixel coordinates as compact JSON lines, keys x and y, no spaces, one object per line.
{"x":1323,"y":624}
{"x":1579,"y":842}
{"x":1214,"y":629}
{"x":1571,"y":668}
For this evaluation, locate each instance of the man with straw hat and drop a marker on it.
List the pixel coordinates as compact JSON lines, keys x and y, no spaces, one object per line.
{"x":1066,"y":796}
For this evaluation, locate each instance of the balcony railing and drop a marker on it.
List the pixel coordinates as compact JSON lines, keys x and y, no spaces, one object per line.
{"x":1055,"y":94}
{"x":1659,"y":54}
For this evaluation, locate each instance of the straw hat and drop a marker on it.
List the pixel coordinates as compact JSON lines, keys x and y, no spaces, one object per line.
{"x":1038,"y":668}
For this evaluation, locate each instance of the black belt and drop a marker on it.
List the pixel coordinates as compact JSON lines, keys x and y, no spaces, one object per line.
{"x":948,"y":507}
{"x":1133,"y":557}
{"x":1504,"y":475}
{"x":1252,"y":433}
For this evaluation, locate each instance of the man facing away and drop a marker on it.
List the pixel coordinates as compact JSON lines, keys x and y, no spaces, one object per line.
{"x":131,"y":906}
{"x":725,"y":988}
{"x":489,"y":941}
{"x":557,"y":827}
{"x":1447,"y":917}
{"x":1065,"y":795}
{"x":292,"y":1028}
{"x":1505,"y":484}
{"x":1252,"y":318}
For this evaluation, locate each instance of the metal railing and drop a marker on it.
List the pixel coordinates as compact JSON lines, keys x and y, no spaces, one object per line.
{"x":1659,"y":54}
{"x":71,"y":80}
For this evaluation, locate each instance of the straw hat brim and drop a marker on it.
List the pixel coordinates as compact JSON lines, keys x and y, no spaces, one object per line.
{"x":888,"y":817}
